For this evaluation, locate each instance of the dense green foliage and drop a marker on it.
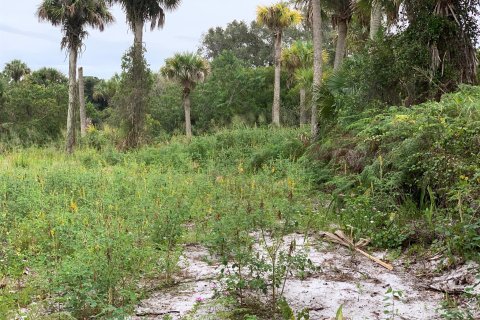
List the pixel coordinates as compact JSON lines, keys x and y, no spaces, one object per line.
{"x":252,"y":43}
{"x":397,"y":159}
{"x":402,"y":176}
{"x":429,"y":55}
{"x":131,"y":98}
{"x":31,"y":111}
{"x":233,"y":94}
{"x":90,"y":227}
{"x":389,"y":168}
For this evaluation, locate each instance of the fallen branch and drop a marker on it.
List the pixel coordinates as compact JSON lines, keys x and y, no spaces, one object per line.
{"x":450,"y":291}
{"x":340,"y":238}
{"x":148,"y":313}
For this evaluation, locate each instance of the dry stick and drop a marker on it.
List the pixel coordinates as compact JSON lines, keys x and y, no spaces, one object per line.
{"x":155,"y":313}
{"x":293,"y":246}
{"x":340,"y":238}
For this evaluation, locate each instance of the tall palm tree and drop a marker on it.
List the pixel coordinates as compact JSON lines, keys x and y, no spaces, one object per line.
{"x":304,"y":79}
{"x":317,"y":61}
{"x":313,"y":12}
{"x":341,"y":13}
{"x":298,"y":60}
{"x":375,"y":11}
{"x":73,"y":16}
{"x":188,"y":69}
{"x":138,"y":12}
{"x":15,"y":70}
{"x":277,"y":17}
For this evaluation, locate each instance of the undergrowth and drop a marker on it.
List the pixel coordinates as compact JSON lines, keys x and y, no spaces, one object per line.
{"x":81,"y":234}
{"x":407,"y":175}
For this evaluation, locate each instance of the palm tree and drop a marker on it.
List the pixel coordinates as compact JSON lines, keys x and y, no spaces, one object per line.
{"x":74,"y":16}
{"x":188,"y":69}
{"x":341,"y":12}
{"x":313,"y":11}
{"x":317,"y":61}
{"x":138,"y":12}
{"x":375,"y":10}
{"x":298,"y":60}
{"x":276,"y":18}
{"x":304,"y":79}
{"x":15,"y":70}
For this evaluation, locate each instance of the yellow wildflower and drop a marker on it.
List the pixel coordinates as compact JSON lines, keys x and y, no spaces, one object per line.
{"x":73,"y":206}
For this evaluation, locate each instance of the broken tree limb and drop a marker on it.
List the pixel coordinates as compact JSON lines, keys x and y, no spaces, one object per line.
{"x":149,"y":313}
{"x":340,"y":238}
{"x":380,"y":262}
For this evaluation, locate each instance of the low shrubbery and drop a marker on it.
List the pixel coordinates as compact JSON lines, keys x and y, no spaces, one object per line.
{"x":83,"y":233}
{"x":408,"y":175}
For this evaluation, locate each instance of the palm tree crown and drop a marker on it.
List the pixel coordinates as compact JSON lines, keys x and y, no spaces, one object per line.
{"x":278,"y":17}
{"x":186,"y":68}
{"x":298,"y":55}
{"x":16,"y":70}
{"x":73,"y":16}
{"x":147,"y":10}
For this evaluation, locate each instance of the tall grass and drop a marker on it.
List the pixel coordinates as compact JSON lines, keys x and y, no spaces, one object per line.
{"x":81,"y":233}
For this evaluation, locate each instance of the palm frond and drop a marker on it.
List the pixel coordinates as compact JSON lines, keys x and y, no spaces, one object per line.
{"x":278,"y":16}
{"x":73,"y":16}
{"x":188,"y":69}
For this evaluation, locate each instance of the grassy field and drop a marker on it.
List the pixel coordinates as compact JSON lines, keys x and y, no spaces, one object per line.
{"x":80,"y":234}
{"x":81,"y":231}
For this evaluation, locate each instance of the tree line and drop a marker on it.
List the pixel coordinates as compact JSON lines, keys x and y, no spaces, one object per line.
{"x":310,"y":58}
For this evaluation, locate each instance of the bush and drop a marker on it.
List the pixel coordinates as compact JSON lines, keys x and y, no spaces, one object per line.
{"x":427,"y":154}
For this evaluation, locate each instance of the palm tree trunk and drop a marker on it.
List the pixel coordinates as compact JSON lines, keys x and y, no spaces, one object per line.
{"x":276,"y":88}
{"x":317,"y":61}
{"x":187,"y":108}
{"x":341,"y":44}
{"x":375,"y":19}
{"x":303,"y":110}
{"x":137,"y":107}
{"x":72,"y":75}
{"x":138,"y":37}
{"x":81,"y":101}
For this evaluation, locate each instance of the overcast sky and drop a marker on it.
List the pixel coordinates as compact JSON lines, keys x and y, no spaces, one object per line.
{"x":23,"y":37}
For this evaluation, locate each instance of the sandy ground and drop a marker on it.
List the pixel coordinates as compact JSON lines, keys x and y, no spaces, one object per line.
{"x":341,"y":278}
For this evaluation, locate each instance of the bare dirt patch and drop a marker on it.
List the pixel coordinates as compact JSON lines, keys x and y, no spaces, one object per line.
{"x":341,"y":278}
